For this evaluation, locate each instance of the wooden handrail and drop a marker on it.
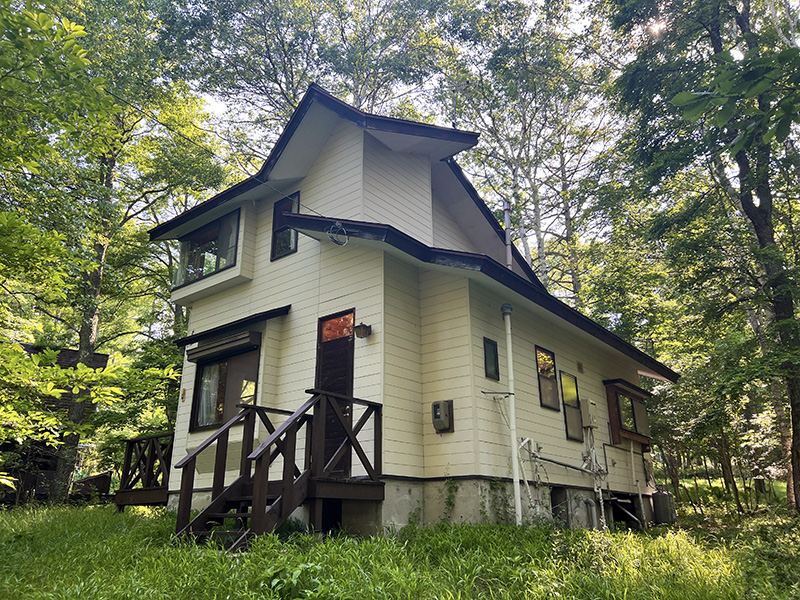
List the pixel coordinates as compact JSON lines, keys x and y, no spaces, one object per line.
{"x":282,"y":428}
{"x":217,"y":434}
{"x":344,"y":398}
{"x":150,"y":436}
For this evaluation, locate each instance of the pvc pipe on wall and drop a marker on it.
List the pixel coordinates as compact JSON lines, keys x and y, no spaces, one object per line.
{"x":512,"y":415}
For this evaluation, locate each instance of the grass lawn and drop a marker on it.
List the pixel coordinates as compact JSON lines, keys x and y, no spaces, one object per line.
{"x":93,"y":553}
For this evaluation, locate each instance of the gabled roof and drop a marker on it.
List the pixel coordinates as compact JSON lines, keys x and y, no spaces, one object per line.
{"x":386,"y":234}
{"x":304,"y":135}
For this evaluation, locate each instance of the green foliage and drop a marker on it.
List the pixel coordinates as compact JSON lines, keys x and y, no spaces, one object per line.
{"x":96,"y":554}
{"x":45,"y":89}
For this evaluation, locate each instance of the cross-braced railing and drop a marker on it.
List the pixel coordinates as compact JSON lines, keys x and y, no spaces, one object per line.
{"x":147,"y":461}
{"x":299,"y":442}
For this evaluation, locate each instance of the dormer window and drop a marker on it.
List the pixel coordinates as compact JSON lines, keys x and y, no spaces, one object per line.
{"x":208,"y":250}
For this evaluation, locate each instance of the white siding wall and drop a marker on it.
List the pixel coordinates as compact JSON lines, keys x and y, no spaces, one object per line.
{"x":318,"y":280}
{"x":446,"y":233}
{"x":333,"y":187}
{"x":447,"y":372}
{"x":545,"y":426}
{"x":397,"y":190}
{"x":402,"y":396}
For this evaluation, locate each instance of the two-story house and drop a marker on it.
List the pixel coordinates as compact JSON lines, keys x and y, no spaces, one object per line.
{"x":361,"y":296}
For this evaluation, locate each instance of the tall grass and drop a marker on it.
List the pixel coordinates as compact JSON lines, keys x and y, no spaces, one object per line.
{"x":96,"y":554}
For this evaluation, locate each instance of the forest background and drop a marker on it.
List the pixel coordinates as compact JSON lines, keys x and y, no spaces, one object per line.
{"x":648,"y":153}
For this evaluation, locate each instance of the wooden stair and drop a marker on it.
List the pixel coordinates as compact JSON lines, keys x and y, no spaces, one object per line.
{"x":254,"y":503}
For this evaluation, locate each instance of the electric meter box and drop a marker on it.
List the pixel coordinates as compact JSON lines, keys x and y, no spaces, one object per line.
{"x":442,"y":414}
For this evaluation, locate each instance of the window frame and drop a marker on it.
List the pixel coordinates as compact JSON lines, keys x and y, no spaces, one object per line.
{"x":556,"y":406}
{"x":615,"y":389}
{"x":235,"y":216}
{"x":569,"y":409}
{"x":278,"y":227}
{"x":491,"y":371}
{"x":216,"y":353}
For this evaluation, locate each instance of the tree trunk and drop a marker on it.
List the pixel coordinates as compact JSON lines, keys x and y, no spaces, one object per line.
{"x":727,"y":470}
{"x":80,"y":409}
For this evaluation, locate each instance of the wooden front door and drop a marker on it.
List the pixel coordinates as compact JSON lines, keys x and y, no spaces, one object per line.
{"x":335,"y":351}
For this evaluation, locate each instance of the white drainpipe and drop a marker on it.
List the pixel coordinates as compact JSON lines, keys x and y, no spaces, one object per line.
{"x":512,"y":416}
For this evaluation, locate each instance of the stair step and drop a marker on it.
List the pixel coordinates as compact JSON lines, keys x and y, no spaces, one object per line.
{"x":229,"y":515}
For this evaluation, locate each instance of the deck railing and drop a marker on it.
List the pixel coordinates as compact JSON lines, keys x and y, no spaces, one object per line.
{"x":145,"y":470}
{"x":273,"y":502}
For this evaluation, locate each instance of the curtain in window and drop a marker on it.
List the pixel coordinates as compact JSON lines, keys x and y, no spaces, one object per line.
{"x":208,"y":401}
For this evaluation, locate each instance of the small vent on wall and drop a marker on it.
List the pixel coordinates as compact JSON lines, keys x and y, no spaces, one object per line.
{"x":580,"y":367}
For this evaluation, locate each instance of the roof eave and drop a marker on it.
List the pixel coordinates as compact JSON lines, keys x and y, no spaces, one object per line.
{"x":479,"y":262}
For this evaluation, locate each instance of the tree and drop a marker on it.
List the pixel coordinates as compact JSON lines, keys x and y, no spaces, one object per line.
{"x":534,"y":93}
{"x":683,"y":47}
{"x":260,"y":57}
{"x":94,"y":189}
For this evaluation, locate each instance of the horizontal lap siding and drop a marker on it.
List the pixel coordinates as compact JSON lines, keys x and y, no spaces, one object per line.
{"x":446,"y":233}
{"x":319,"y":279}
{"x":544,"y":426}
{"x":446,"y":372}
{"x":402,"y":401}
{"x":397,"y":190}
{"x":333,"y":187}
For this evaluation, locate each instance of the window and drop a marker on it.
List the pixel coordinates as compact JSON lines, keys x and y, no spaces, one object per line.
{"x":572,"y":407}
{"x":208,"y":250}
{"x":284,"y":238}
{"x":548,"y":387}
{"x":627,"y":412}
{"x":491,"y":365}
{"x":221,"y":385}
{"x":633,"y":415}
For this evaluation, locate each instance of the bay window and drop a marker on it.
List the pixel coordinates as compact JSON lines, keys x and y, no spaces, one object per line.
{"x":208,"y":250}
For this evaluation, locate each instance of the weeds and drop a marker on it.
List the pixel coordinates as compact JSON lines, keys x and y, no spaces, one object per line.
{"x":96,"y":554}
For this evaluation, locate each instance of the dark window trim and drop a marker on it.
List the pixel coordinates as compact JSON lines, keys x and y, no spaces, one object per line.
{"x":578,"y":408}
{"x":235,"y":260}
{"x":615,"y":387}
{"x":193,"y":426}
{"x":279,"y":227}
{"x":233,"y":326}
{"x":536,"y":349}
{"x":491,"y":371}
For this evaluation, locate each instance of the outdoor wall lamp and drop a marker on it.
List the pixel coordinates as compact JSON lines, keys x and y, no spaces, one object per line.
{"x":362,"y":330}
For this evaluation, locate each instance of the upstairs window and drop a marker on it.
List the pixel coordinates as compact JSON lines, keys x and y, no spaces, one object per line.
{"x":572,"y":407}
{"x":548,"y":387}
{"x":208,"y":250}
{"x":284,"y":238}
{"x":633,"y":415}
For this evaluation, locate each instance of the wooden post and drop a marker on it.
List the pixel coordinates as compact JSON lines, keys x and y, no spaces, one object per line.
{"x":287,"y":494}
{"x":248,"y":435}
{"x":258,"y":520}
{"x":318,"y":439}
{"x":126,"y":466}
{"x":378,"y":441}
{"x":185,"y":501}
{"x":220,"y":463}
{"x":149,"y":463}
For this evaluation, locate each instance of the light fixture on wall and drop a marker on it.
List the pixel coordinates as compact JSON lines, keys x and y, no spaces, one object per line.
{"x":362,"y":330}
